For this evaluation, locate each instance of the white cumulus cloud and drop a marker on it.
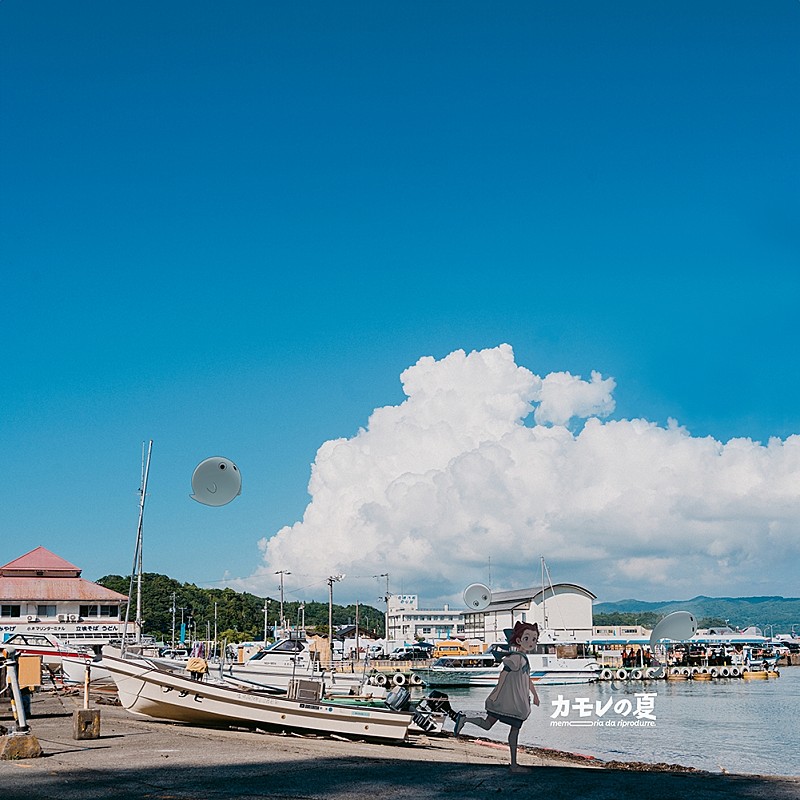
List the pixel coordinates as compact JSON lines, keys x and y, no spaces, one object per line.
{"x":482,"y":461}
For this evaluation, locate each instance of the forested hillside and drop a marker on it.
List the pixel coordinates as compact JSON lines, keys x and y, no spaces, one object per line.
{"x":240,"y":615}
{"x":781,"y":613}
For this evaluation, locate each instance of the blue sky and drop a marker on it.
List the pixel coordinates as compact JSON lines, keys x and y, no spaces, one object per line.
{"x":231,"y":227}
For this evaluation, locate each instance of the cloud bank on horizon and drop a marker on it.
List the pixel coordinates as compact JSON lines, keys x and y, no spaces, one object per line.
{"x":486,"y":460}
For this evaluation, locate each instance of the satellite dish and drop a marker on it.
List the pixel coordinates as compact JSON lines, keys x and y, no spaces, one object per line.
{"x":477,"y":596}
{"x":678,"y":626}
{"x":216,"y":481}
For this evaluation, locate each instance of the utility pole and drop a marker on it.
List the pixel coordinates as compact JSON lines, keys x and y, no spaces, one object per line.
{"x":386,"y":597}
{"x":282,"y":572}
{"x":331,"y":580}
{"x":173,"y":620}
{"x":266,"y":612}
{"x":357,"y":648}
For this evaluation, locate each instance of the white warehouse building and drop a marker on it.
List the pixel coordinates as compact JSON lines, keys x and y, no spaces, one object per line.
{"x":564,"y":610}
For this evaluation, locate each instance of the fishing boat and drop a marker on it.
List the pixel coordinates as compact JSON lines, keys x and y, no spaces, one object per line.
{"x":287,"y":659}
{"x":462,"y":670}
{"x":143,"y":688}
{"x":52,"y":650}
{"x":546,"y":669}
{"x":551,"y":670}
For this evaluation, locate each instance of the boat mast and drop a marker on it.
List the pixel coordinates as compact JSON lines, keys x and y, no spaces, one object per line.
{"x":136,"y":569}
{"x":544,"y":599}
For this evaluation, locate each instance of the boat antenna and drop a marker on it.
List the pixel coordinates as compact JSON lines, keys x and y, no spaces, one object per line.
{"x":546,"y":571}
{"x":136,"y":569}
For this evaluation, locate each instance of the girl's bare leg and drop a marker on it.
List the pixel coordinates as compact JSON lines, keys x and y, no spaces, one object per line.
{"x":513,"y":738}
{"x":481,"y":722}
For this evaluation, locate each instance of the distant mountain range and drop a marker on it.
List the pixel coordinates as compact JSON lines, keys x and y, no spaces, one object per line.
{"x":740,"y":612}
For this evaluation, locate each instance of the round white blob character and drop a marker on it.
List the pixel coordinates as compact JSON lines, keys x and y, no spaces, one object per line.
{"x":216,"y":481}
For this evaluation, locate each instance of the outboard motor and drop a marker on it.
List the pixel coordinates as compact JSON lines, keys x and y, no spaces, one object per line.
{"x":398,"y":699}
{"x":435,"y":702}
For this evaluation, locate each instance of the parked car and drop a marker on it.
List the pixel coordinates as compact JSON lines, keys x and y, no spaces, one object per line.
{"x":412,"y":653}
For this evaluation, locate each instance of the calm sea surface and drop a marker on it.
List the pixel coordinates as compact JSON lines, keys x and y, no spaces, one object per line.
{"x":734,"y":725}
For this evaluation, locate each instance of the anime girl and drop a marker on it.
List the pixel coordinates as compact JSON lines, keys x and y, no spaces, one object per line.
{"x":509,"y":701}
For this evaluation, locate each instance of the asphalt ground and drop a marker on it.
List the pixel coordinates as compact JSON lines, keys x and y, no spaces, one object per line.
{"x":136,"y":757}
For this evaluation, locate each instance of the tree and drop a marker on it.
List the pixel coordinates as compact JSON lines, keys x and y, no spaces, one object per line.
{"x":239,"y":614}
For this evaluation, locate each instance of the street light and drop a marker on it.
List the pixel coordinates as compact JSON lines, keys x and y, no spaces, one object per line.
{"x":331,"y":580}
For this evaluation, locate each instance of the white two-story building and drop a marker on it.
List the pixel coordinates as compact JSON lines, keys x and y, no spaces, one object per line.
{"x":41,"y":592}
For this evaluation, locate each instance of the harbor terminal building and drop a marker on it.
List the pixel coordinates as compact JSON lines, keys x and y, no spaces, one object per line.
{"x":41,"y":592}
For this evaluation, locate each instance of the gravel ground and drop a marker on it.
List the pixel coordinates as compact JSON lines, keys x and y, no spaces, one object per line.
{"x":136,"y":757}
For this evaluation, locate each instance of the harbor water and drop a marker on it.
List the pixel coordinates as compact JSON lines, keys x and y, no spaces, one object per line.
{"x":732,"y":725}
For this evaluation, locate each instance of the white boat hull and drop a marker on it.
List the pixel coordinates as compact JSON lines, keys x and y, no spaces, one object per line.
{"x":546,"y":670}
{"x":143,"y":689}
{"x":279,"y":675}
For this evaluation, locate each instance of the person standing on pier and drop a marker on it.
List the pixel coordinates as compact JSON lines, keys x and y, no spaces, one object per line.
{"x":510,"y":700}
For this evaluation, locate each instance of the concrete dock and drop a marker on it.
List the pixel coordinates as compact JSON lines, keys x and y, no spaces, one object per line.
{"x":136,"y":757}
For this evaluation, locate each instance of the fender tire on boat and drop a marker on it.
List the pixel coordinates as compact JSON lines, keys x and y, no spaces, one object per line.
{"x":694,"y":670}
{"x":398,"y":679}
{"x":736,"y":672}
{"x":606,"y":674}
{"x":725,"y":672}
{"x":380,"y":679}
{"x":674,"y":671}
{"x":636,"y":674}
{"x":715,"y":672}
{"x":650,"y":673}
{"x":416,"y":680}
{"x":621,"y":674}
{"x":685,"y":671}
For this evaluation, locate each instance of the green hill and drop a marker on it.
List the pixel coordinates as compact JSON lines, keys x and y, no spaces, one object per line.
{"x":240,"y":615}
{"x":740,"y":612}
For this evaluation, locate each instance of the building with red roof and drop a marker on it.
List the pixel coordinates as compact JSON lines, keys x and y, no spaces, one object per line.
{"x":43,"y":593}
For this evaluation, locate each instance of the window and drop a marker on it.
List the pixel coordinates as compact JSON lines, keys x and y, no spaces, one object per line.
{"x":88,"y":611}
{"x":109,"y":611}
{"x":45,"y":611}
{"x":9,"y":611}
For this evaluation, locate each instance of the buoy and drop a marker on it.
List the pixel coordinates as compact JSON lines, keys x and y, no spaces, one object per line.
{"x":398,"y":679}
